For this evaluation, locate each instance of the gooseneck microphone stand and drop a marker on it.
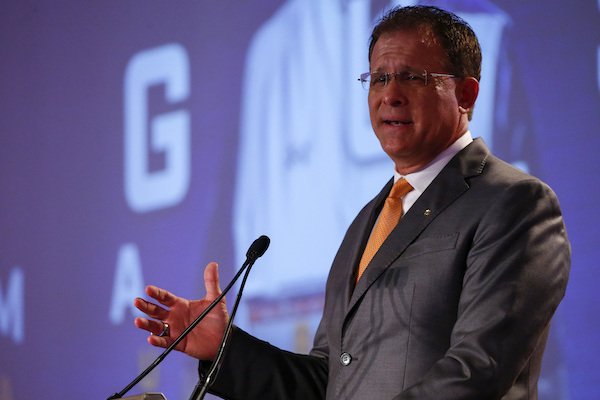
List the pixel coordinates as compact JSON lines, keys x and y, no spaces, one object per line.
{"x":257,"y":249}
{"x":202,"y":387}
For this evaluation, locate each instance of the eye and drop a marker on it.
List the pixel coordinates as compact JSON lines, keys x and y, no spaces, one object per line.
{"x":411,"y":77}
{"x":379,"y":79}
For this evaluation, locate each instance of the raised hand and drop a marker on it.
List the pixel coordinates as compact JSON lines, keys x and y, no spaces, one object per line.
{"x":178,"y":312}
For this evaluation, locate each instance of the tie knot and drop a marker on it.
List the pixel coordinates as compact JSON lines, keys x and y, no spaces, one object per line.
{"x":400,"y":189}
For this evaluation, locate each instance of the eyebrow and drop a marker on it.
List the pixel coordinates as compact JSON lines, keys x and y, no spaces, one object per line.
{"x":403,"y":69}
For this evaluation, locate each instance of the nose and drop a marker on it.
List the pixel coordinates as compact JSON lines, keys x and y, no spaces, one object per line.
{"x":394,"y":94}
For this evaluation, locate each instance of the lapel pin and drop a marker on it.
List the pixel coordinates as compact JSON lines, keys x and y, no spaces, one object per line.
{"x":427,"y":212}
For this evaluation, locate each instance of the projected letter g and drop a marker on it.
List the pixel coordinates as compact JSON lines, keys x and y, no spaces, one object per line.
{"x":147,"y":190}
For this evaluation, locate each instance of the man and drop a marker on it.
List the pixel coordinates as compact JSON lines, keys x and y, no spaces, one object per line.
{"x":455,"y":302}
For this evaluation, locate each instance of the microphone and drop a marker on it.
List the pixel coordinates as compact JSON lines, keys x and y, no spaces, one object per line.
{"x":256,"y":250}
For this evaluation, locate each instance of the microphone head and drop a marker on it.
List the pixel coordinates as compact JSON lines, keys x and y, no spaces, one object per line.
{"x":258,"y":248}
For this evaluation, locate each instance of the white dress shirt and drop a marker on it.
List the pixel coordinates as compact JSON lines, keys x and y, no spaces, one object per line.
{"x":420,"y":180}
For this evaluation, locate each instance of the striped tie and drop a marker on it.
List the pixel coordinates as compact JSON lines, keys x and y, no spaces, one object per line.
{"x":387,"y":221}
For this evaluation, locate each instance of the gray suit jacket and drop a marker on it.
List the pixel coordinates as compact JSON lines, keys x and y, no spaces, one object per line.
{"x":455,"y":305}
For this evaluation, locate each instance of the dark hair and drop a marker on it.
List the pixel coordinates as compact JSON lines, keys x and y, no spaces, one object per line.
{"x":454,"y":35}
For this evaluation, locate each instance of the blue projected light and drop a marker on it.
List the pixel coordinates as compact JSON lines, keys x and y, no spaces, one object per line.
{"x":140,"y":141}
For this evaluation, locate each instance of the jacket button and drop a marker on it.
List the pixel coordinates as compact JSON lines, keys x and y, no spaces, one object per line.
{"x":345,"y":359}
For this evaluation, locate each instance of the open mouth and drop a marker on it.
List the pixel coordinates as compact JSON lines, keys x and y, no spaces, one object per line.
{"x":396,"y":122}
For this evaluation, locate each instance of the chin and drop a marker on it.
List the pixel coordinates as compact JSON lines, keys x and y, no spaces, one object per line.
{"x":397,"y":147}
{"x":396,"y":154}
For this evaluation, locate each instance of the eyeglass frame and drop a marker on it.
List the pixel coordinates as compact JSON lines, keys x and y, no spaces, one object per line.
{"x":364,"y":77}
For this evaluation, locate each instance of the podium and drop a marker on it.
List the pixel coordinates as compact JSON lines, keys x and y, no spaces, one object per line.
{"x":146,"y":396}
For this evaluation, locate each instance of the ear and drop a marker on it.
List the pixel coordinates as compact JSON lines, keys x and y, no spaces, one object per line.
{"x":466,"y":94}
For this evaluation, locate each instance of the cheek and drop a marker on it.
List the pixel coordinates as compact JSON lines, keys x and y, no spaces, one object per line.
{"x":373,"y":105}
{"x":438,"y":110}
{"x":371,"y":100}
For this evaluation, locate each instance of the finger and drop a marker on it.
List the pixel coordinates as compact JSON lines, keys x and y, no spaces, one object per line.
{"x":163,"y":296}
{"x":159,"y":341}
{"x":211,"y":281}
{"x":154,"y":327}
{"x":150,"y":309}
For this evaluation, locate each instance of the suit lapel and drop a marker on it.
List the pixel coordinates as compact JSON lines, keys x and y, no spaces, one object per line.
{"x":352,"y":249}
{"x":449,"y":185}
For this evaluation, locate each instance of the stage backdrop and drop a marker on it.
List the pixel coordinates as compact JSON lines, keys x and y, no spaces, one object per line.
{"x":140,"y":140}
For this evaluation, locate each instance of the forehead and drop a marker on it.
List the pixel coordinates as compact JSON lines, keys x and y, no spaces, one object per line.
{"x":417,"y":48}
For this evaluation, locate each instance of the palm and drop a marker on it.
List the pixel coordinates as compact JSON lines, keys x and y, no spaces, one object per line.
{"x":204,"y":340}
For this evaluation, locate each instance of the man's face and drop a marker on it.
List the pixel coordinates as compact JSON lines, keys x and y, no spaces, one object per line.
{"x":413,"y":122}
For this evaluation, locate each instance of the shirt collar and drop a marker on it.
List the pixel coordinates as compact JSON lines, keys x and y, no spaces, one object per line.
{"x":421,"y":179}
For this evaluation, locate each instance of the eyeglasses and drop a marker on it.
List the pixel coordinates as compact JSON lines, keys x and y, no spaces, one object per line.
{"x":378,"y":80}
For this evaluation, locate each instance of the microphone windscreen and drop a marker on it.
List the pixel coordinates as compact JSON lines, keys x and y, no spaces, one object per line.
{"x":258,"y":248}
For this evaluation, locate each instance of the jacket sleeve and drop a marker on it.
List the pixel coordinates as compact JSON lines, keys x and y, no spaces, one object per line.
{"x":254,"y":369}
{"x":515,"y":277}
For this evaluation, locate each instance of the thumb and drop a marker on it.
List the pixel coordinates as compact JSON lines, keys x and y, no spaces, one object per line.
{"x":211,"y":281}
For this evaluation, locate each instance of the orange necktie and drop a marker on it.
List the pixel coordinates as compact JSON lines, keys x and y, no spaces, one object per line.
{"x":388,"y":219}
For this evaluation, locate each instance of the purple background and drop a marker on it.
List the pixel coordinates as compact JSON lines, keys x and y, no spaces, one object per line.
{"x":64,"y":217}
